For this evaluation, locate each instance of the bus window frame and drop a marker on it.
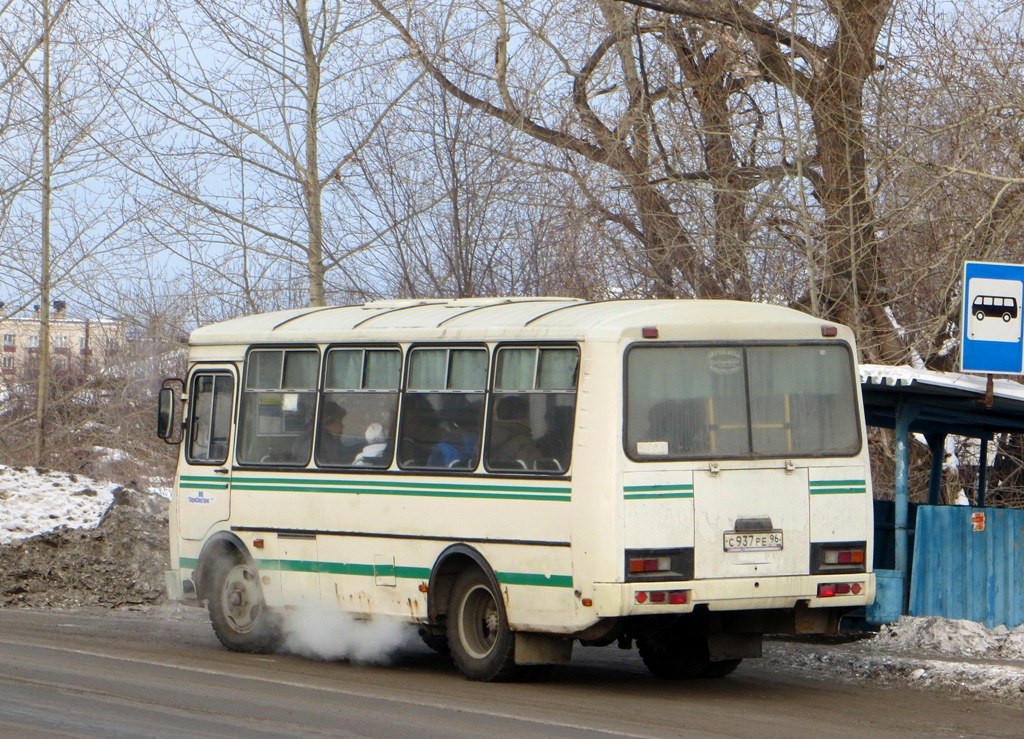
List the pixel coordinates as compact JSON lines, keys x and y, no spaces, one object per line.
{"x":242,"y":389}
{"x":406,"y":392}
{"x":492,"y":399}
{"x":322,"y":397}
{"x":214,"y":371}
{"x":752,"y":456}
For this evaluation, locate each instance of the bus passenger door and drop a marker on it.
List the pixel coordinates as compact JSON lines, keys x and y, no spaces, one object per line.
{"x":204,"y":479}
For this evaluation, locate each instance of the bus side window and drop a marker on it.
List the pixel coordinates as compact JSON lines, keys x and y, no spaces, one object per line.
{"x":210,"y":423}
{"x":363,"y":385}
{"x":278,"y":402}
{"x":530,"y":427}
{"x":443,"y":408}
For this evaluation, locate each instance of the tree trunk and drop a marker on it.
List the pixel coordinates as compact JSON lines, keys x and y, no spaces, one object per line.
{"x":43,"y":385}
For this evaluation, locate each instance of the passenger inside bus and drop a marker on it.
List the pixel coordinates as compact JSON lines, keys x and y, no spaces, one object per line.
{"x":682,"y":423}
{"x":511,"y":444}
{"x":330,"y":447}
{"x":421,"y":430}
{"x":556,"y":443}
{"x":458,"y":447}
{"x":375,"y":451}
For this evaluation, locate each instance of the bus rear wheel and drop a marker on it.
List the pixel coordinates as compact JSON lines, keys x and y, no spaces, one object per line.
{"x":676,"y":655}
{"x":481,"y":643}
{"x":238,"y":612}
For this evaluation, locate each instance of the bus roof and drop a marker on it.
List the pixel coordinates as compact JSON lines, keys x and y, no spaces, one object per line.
{"x":477,"y":318}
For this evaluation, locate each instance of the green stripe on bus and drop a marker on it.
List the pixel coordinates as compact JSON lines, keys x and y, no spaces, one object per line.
{"x":655,"y":488}
{"x":220,"y":484}
{"x":657,"y":496}
{"x":398,"y":484}
{"x":838,"y":487}
{"x":526,"y":578}
{"x":659,"y":492}
{"x":404,"y":573}
{"x":482,"y":494}
{"x":416,"y":489}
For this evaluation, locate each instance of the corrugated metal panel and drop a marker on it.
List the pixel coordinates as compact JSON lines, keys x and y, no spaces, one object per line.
{"x":961,"y":572}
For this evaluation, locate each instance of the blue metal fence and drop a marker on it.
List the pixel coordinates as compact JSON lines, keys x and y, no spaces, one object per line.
{"x":969,"y":563}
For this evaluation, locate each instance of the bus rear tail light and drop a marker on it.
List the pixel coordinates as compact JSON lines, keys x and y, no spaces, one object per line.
{"x":669,"y":597}
{"x":658,"y":564}
{"x":844,"y":556}
{"x":838,"y":557}
{"x":639,"y":565}
{"x":832,"y":589}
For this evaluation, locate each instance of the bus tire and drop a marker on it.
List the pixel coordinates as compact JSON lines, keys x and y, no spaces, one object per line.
{"x":721,"y":668}
{"x":481,"y":643}
{"x":438,"y":643}
{"x":676,"y":655}
{"x":238,"y":612}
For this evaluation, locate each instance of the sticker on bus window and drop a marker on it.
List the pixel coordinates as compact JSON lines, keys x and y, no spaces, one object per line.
{"x":652,"y":448}
{"x":725,"y":361}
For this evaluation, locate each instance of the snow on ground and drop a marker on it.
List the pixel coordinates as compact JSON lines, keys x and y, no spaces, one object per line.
{"x":928,"y":653}
{"x":34,"y":502}
{"x":922,"y":652}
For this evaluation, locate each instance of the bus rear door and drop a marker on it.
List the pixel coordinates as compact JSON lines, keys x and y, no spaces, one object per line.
{"x":751,"y":522}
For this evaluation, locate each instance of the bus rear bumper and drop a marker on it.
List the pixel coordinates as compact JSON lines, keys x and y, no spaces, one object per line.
{"x":736,"y":594}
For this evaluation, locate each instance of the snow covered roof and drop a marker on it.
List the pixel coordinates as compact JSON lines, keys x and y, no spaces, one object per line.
{"x":946,"y":402}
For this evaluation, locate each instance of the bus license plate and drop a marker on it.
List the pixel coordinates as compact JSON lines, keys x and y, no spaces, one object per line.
{"x":754,"y":541}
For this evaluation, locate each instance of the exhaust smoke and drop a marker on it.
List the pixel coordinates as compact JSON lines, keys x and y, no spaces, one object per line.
{"x":331,"y":635}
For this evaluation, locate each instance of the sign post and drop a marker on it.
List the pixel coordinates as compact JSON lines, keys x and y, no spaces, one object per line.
{"x":991,"y":318}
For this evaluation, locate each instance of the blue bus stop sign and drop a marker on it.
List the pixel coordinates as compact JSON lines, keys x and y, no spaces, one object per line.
{"x":991,"y":336}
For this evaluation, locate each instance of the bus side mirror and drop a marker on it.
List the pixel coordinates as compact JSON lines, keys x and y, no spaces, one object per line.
{"x":168,"y":414}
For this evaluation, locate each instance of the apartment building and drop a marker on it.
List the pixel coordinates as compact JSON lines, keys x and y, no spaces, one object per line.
{"x":77,"y":345}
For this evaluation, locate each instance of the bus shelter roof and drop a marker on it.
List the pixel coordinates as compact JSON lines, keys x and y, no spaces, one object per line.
{"x":941,"y":402}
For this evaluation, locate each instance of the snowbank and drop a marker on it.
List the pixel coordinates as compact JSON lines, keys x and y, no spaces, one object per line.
{"x":34,"y":501}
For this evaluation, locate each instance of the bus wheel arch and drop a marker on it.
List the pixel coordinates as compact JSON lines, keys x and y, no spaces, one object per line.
{"x":223,"y":545}
{"x":451,"y":563}
{"x":465,"y":595}
{"x":229,"y":582}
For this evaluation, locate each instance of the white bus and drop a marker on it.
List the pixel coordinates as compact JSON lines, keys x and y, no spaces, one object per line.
{"x":516,"y":476}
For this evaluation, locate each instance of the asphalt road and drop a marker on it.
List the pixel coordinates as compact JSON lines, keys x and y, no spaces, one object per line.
{"x":162,"y":673}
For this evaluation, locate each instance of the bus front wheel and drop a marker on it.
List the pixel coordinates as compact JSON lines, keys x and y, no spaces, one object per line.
{"x":238,"y":613}
{"x":481,"y":643}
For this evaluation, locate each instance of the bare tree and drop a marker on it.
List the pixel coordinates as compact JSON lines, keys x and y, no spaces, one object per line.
{"x":608,"y":88}
{"x":247,"y":114}
{"x":457,"y":205}
{"x":61,"y":218}
{"x":949,"y":161}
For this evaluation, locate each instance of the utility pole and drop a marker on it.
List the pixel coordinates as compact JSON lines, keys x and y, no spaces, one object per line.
{"x":42,"y":401}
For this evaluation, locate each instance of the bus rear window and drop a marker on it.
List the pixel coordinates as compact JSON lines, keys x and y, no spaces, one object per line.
{"x":731,"y":401}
